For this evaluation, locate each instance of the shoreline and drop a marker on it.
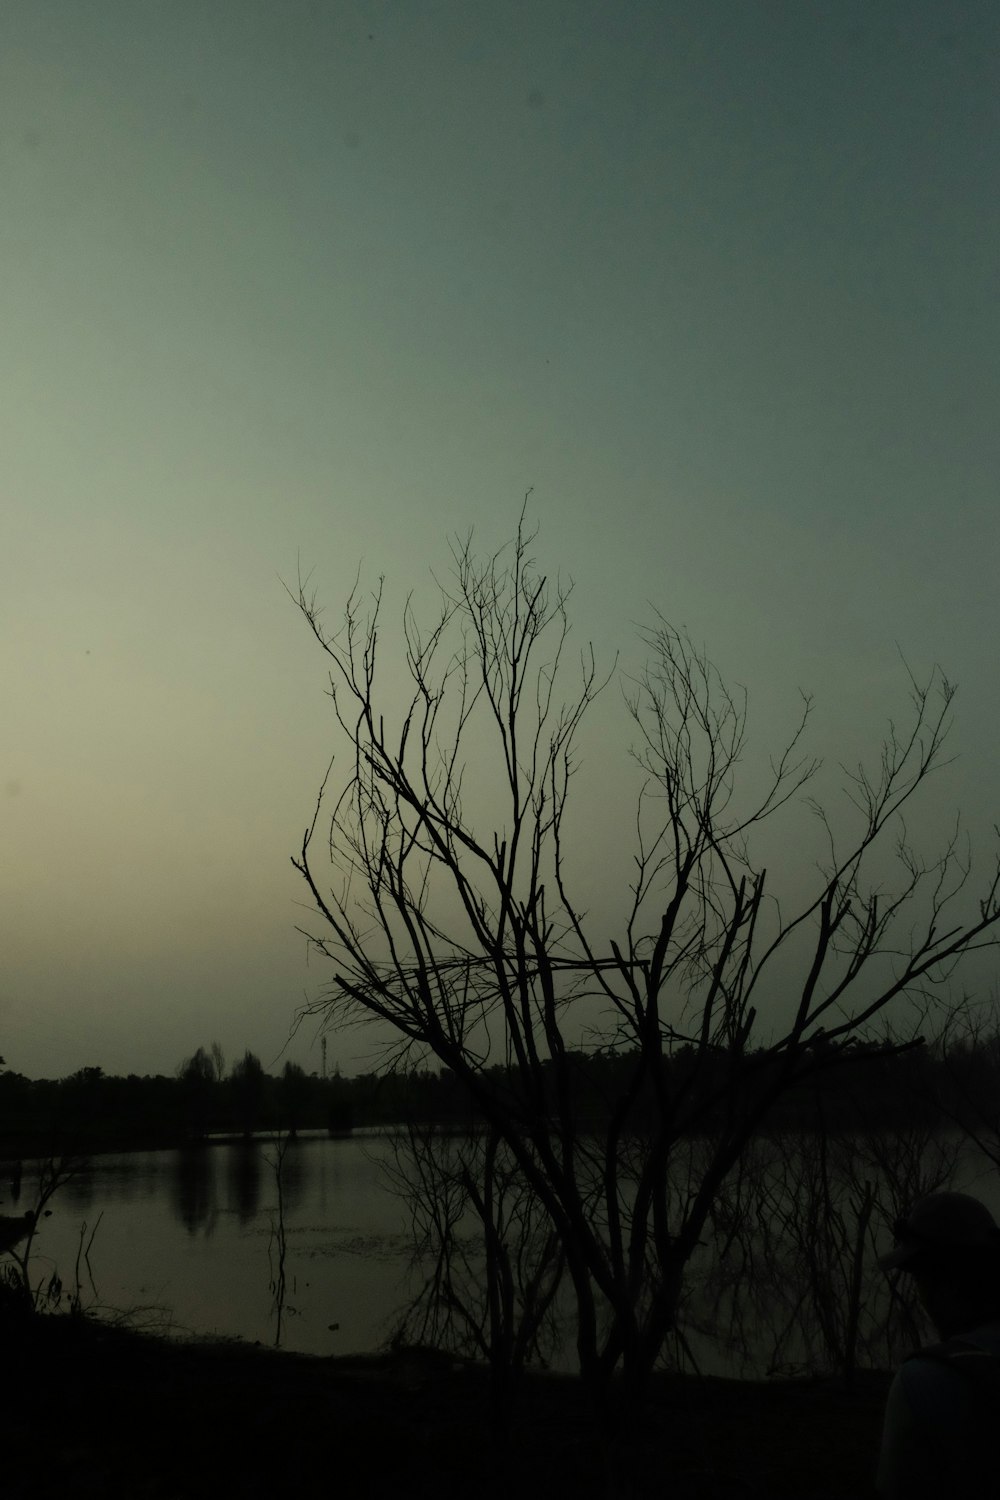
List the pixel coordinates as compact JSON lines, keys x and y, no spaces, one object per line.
{"x":15,"y":1151}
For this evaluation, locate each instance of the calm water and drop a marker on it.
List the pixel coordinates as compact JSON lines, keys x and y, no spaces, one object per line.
{"x":187,"y":1238}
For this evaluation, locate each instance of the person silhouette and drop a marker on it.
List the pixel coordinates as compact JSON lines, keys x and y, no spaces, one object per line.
{"x":939,"y":1430}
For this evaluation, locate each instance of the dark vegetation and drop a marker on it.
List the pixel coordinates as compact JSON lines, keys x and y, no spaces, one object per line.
{"x":90,"y":1110}
{"x":93,"y":1111}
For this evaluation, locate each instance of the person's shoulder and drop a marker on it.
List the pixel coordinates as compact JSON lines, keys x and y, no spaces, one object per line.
{"x":934,"y":1426}
{"x":934,"y":1389}
{"x":915,"y":1447}
{"x":977,"y":1348}
{"x":936,"y":1379}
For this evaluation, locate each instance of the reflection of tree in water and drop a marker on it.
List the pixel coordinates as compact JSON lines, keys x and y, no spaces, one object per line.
{"x":14,"y":1171}
{"x":243,"y":1171}
{"x":293,"y":1172}
{"x":249,"y":1171}
{"x":193,"y":1189}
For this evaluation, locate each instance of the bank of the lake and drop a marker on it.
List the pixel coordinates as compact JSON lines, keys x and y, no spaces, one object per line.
{"x":99,"y":1412}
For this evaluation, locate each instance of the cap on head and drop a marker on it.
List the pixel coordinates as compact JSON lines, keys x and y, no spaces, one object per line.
{"x":942,"y":1224}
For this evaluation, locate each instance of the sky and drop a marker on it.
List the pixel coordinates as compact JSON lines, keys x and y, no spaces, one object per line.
{"x":327,"y":282}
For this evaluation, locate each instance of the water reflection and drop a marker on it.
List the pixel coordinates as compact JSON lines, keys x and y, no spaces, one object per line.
{"x":192,"y":1189}
{"x":249,"y":1170}
{"x":243,"y":1179}
{"x":192,"y":1233}
{"x":294,"y":1174}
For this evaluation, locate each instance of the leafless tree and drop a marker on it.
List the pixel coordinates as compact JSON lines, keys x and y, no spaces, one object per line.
{"x":441,"y":862}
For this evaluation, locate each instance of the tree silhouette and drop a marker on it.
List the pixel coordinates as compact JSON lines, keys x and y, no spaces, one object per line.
{"x":441,"y":866}
{"x":248,"y":1088}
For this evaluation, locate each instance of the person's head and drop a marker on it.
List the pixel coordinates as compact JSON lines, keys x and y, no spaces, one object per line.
{"x":950,"y":1244}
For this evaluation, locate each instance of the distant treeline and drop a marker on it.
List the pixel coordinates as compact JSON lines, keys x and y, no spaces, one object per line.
{"x":868,"y":1088}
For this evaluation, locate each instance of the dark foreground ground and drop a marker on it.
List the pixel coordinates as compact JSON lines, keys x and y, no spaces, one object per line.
{"x":90,"y":1412}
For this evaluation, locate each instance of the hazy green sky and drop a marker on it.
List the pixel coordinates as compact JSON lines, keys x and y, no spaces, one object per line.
{"x":325,"y":278}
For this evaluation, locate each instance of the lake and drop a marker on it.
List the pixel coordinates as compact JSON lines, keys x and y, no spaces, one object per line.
{"x":186,"y":1239}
